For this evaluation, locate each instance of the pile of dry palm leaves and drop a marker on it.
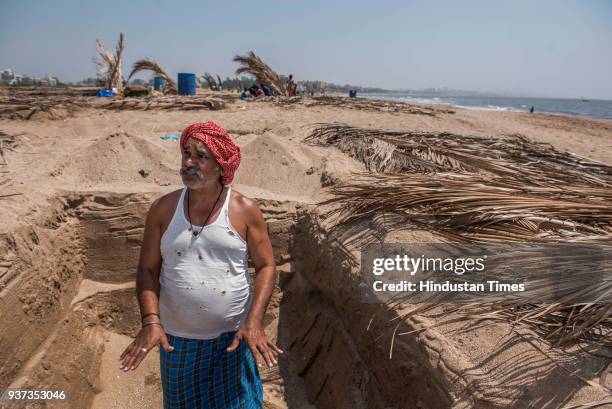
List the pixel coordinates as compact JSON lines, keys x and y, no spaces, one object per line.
{"x":59,"y":107}
{"x":48,"y":107}
{"x":513,"y":157}
{"x":109,"y":65}
{"x":61,"y":103}
{"x":363,"y":104}
{"x":150,"y":65}
{"x":252,"y":64}
{"x":468,"y":207}
{"x":182,"y":103}
{"x":476,"y":189}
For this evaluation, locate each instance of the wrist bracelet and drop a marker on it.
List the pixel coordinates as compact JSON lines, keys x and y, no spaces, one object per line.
{"x":147,"y":314}
{"x":152,"y":323}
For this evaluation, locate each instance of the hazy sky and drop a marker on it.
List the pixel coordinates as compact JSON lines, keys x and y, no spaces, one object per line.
{"x":533,"y":48}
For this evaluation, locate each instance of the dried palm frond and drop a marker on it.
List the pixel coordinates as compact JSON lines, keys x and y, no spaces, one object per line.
{"x":512,"y":157}
{"x":211,"y":81}
{"x":362,"y":104}
{"x":252,"y":64}
{"x":109,"y":66}
{"x":185,"y":103}
{"x":558,"y":323}
{"x":150,"y":65}
{"x":473,"y":208}
{"x":116,"y":74}
{"x":30,"y":107}
{"x":7,"y":141}
{"x":475,"y":189}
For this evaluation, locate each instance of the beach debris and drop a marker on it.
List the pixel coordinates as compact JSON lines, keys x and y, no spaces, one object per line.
{"x":144,"y":172}
{"x":364,"y":104}
{"x":147,"y":64}
{"x":43,"y":102}
{"x":106,"y":93}
{"x":7,"y":142}
{"x":10,"y":195}
{"x":252,"y":64}
{"x":167,"y":102}
{"x":174,"y":136}
{"x":58,"y":104}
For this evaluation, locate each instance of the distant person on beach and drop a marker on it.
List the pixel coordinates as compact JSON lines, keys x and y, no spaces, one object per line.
{"x":266,"y":90}
{"x":253,"y":90}
{"x":197,"y":299}
{"x":244,"y":94}
{"x":291,"y":86}
{"x":531,"y":110}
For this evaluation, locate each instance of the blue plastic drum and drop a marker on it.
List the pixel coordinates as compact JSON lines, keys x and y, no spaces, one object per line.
{"x":186,"y":83}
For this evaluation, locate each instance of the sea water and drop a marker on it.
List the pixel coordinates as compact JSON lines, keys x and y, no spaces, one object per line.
{"x":595,"y":108}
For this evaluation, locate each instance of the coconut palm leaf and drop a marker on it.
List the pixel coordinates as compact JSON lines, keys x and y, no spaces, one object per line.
{"x":474,"y":208}
{"x":252,"y":64}
{"x":116,"y":74}
{"x":470,"y":188}
{"x":109,"y":66}
{"x":512,"y":157}
{"x":150,"y":65}
{"x":362,"y":104}
{"x":210,"y":81}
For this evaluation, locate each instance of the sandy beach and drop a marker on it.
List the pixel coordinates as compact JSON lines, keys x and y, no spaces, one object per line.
{"x":74,"y":192}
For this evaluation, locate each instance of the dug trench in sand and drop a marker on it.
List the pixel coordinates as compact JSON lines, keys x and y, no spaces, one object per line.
{"x":87,"y":199}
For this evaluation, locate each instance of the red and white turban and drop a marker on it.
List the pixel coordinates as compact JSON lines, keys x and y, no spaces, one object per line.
{"x":217,"y":140}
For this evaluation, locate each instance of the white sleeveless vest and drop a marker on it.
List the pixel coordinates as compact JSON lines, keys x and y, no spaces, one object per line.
{"x":205,"y":286}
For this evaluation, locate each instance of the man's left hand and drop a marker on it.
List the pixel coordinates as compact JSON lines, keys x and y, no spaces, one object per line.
{"x":255,"y":337}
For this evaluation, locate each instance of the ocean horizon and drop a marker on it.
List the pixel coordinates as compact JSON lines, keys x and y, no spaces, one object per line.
{"x":593,"y":108}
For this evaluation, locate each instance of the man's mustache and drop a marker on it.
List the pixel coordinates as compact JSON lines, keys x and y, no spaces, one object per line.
{"x":190,"y":171}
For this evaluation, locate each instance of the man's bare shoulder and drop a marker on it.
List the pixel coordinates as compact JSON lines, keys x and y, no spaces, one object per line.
{"x":246,"y":205}
{"x":165,"y":204}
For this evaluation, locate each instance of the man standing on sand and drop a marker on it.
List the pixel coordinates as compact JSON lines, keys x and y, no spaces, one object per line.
{"x":193,"y":285}
{"x":290,"y":86}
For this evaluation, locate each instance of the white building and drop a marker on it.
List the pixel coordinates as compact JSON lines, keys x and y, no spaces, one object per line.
{"x":7,"y":76}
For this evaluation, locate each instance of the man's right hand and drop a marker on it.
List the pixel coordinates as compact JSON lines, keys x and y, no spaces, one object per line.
{"x":147,"y":338}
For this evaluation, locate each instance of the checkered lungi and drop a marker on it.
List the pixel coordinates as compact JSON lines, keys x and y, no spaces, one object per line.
{"x":202,"y":374}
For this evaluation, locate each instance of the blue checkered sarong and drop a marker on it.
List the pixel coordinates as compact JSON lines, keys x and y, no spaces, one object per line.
{"x":202,"y":374}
